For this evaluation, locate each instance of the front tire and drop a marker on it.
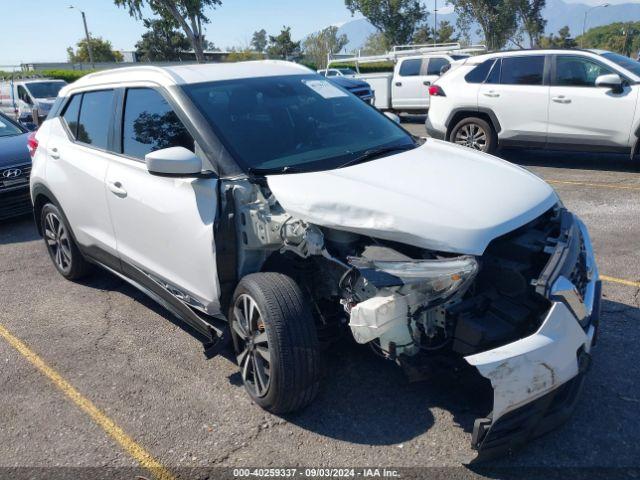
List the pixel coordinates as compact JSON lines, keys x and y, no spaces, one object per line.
{"x":64,"y":252}
{"x":475,"y":133}
{"x":275,"y":340}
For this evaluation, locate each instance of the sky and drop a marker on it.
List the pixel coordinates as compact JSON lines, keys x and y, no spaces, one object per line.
{"x":43,"y":31}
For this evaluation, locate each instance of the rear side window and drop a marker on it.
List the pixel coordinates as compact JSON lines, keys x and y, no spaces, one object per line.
{"x":70,"y":115}
{"x":479,"y":74}
{"x":411,"y":68}
{"x":527,"y":70}
{"x":494,"y":74}
{"x":435,"y":65}
{"x":95,"y":114}
{"x":150,"y":124}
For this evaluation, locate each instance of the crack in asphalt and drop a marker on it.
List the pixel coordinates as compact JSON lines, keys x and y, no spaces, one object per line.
{"x":263,"y":427}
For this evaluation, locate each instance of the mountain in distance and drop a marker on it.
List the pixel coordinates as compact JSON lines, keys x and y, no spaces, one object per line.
{"x":557,"y":13}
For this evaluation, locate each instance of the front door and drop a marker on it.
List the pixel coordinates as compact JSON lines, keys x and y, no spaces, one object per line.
{"x":583,"y":115}
{"x":410,"y":90}
{"x":164,"y":226}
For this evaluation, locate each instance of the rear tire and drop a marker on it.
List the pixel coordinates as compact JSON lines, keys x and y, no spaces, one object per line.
{"x":64,"y":252}
{"x":275,"y":341}
{"x":475,"y":133}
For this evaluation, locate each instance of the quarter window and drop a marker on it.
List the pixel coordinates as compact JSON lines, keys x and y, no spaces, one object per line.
{"x":95,"y":114}
{"x":527,"y":70}
{"x":573,"y":71}
{"x":435,"y":65}
{"x":479,"y":73}
{"x":150,"y":124}
{"x":70,"y":115}
{"x":411,"y":68}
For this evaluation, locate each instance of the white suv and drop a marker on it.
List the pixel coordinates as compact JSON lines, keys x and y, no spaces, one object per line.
{"x":259,"y":196}
{"x":558,"y":99}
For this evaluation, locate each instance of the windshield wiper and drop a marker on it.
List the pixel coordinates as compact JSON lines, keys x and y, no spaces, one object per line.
{"x":268,"y":171}
{"x":376,"y":152}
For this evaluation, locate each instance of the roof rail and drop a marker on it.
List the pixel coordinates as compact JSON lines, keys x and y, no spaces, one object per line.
{"x":399,"y":51}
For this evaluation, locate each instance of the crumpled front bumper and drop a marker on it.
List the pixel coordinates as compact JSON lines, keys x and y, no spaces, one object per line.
{"x":536,"y":380}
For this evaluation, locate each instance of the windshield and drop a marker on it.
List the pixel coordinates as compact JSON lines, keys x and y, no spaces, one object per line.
{"x":294,"y":123}
{"x":45,"y":89}
{"x":625,"y":62}
{"x":347,"y":71}
{"x":8,"y":129}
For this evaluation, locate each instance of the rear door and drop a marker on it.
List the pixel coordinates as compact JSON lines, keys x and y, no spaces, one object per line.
{"x":583,"y":115}
{"x":517,"y":93}
{"x":77,"y":150}
{"x":163,"y":225}
{"x":410,"y":90}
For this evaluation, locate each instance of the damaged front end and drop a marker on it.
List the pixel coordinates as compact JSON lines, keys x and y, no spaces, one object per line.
{"x":524,"y":313}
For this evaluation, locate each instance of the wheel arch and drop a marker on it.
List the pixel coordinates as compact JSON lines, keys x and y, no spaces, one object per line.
{"x":460,"y":113}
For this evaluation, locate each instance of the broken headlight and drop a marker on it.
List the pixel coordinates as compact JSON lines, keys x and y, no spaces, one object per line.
{"x":438,"y":278}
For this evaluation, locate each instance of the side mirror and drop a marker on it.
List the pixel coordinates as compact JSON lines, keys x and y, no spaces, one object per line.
{"x":173,"y":162}
{"x":393,"y":117}
{"x":611,"y":80}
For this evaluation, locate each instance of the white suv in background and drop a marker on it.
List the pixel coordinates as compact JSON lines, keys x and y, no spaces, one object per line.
{"x":556,"y":99}
{"x":259,"y":201}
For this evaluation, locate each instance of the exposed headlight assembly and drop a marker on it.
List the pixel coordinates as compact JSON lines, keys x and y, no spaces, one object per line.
{"x":439,"y":278}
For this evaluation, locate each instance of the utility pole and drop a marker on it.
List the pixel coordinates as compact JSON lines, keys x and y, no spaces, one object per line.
{"x":86,"y":33}
{"x":435,"y":22}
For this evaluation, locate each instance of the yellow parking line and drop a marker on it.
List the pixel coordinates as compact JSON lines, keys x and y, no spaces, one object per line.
{"x":597,"y":185}
{"x":621,"y":281}
{"x":143,"y":457}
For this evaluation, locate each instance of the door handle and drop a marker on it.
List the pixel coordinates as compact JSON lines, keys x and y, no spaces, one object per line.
{"x":54,"y":153}
{"x":116,"y":187}
{"x":426,"y":82}
{"x":398,"y":84}
{"x":561,"y":99}
{"x":491,"y":94}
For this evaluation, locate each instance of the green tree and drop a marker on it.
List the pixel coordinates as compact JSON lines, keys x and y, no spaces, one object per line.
{"x":259,"y":40}
{"x":376,"y":44}
{"x":102,"y":51}
{"x":318,"y":46}
{"x":621,"y":37}
{"x":282,"y":46}
{"x":497,"y":19}
{"x":243,"y":55}
{"x":397,"y":20}
{"x":162,"y":42}
{"x":530,"y":20}
{"x":561,"y":40}
{"x":446,"y":33}
{"x":188,"y":14}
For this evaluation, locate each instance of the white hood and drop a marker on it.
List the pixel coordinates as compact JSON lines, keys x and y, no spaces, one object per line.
{"x":439,"y":196}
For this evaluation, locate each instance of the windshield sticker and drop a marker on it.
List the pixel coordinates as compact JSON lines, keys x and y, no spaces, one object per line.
{"x":324,"y":88}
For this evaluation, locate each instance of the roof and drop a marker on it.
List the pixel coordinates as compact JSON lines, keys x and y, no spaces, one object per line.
{"x":188,"y":73}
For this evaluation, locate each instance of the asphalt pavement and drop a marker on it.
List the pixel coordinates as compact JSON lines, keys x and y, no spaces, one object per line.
{"x":146,"y":375}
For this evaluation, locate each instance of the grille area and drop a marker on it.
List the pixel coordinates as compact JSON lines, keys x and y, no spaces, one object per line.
{"x":15,"y":198}
{"x":14,"y":177}
{"x":579,"y":276}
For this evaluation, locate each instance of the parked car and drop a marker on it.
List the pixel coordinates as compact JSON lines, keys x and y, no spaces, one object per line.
{"x":15,"y":165}
{"x":258,"y":200}
{"x":558,"y":99}
{"x":337,"y":72}
{"x":23,"y":96}
{"x":405,"y":88}
{"x":358,"y":87}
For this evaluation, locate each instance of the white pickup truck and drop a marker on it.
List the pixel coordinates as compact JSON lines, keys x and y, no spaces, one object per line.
{"x":21,"y":97}
{"x":415,"y":68}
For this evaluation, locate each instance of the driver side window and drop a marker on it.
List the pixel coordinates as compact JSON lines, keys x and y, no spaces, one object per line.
{"x":574,"y":71}
{"x":23,"y":95}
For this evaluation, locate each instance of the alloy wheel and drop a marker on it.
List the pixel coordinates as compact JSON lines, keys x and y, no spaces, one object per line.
{"x":58,"y":243}
{"x":472,"y":136}
{"x":254,"y":357}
